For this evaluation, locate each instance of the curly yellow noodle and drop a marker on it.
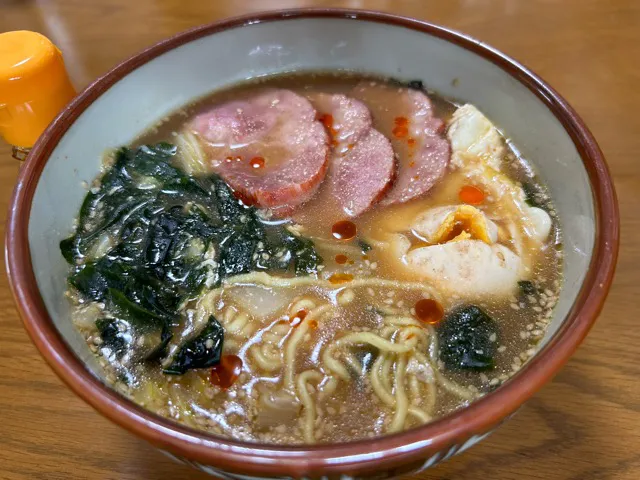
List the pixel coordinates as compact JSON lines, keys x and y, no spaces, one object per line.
{"x":290,"y":353}
{"x":402,"y":403}
{"x":293,"y":342}
{"x":402,"y":320}
{"x":267,"y":354}
{"x":421,"y":415}
{"x":450,"y":386}
{"x":380,"y":343}
{"x":271,"y":281}
{"x":410,"y":393}
{"x":328,"y":387}
{"x":304,"y":303}
{"x":388,"y":332}
{"x":430,"y":403}
{"x":239,"y":323}
{"x":269,"y":362}
{"x":385,"y":371}
{"x":379,"y":389}
{"x":307,"y":402}
{"x":334,"y":365}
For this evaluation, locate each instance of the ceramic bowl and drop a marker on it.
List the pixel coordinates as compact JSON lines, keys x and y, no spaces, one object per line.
{"x":120,"y":105}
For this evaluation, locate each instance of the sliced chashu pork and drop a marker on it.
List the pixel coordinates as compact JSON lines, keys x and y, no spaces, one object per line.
{"x":406,"y":117}
{"x":269,"y":147}
{"x":362,"y":163}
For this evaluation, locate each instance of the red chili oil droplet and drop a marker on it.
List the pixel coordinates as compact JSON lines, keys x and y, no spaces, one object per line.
{"x":411,"y":141}
{"x":344,"y":230}
{"x":327,"y":120}
{"x":298,"y":318}
{"x":429,"y":311}
{"x":471,"y":195}
{"x":313,"y":324}
{"x":341,"y":259}
{"x":257,"y":162}
{"x":340,"y":278}
{"x":400,"y":132}
{"x":401,"y":121}
{"x":238,"y":159}
{"x":226,"y":372}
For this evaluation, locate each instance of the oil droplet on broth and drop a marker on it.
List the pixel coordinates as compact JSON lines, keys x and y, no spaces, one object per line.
{"x":429,"y":311}
{"x":298,"y":318}
{"x":337,"y":278}
{"x":257,"y":162}
{"x":226,"y":372}
{"x":344,"y":230}
{"x":341,"y":259}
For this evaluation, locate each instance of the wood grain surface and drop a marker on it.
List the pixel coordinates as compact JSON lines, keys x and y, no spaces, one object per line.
{"x":584,"y":425}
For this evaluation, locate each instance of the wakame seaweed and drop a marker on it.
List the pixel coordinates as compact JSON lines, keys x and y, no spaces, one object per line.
{"x":200,"y":352}
{"x":467,"y":339}
{"x":149,"y":238}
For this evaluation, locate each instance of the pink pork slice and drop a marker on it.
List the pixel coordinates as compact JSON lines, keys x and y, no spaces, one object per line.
{"x":422,"y":150}
{"x":269,"y":147}
{"x":362,"y":162}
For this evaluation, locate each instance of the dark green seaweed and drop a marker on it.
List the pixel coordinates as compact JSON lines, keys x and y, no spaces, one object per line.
{"x":465,"y":339}
{"x":150,"y":238}
{"x":201,"y":352}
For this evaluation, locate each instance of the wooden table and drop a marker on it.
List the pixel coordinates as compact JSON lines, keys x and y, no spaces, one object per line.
{"x":585,"y":425}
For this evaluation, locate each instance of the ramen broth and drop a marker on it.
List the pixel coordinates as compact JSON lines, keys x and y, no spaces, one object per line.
{"x":360,"y":344}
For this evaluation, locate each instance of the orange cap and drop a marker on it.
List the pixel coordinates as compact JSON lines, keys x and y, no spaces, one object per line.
{"x":34,"y":86}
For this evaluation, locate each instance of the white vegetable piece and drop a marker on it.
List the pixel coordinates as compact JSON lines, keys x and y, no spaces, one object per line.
{"x":477,"y":147}
{"x":260,"y":302}
{"x":190,"y":154}
{"x":471,"y":132}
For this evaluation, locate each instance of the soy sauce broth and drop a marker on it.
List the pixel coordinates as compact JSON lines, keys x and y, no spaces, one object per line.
{"x":351,"y":411}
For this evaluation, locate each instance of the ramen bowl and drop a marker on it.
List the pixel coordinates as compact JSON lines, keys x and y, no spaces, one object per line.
{"x":119,"y":106}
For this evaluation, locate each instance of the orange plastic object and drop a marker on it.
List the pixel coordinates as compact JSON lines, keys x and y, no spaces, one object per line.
{"x":34,"y":86}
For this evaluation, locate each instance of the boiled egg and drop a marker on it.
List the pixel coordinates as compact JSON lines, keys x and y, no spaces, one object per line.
{"x":477,"y":149}
{"x":463,"y":258}
{"x":454,"y":223}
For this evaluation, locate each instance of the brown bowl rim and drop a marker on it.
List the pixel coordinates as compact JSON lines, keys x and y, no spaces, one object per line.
{"x":374,"y":455}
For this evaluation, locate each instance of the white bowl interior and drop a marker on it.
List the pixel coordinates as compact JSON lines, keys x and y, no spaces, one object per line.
{"x":192,"y":70}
